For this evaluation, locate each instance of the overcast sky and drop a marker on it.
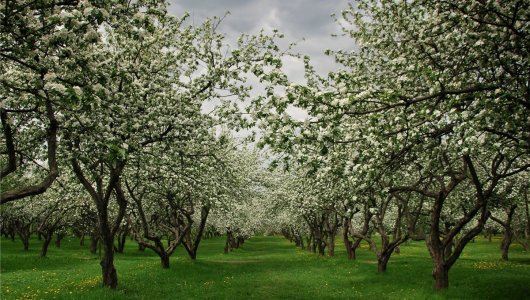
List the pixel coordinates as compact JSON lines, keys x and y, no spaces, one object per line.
{"x":297,"y":19}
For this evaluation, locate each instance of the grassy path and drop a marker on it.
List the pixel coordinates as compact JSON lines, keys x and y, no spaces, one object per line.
{"x":264,"y":268}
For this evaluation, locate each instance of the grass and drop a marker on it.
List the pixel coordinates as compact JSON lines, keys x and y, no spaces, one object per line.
{"x":264,"y":268}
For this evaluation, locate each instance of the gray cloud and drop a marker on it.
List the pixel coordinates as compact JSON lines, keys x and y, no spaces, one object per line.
{"x":297,"y":19}
{"x":307,"y":22}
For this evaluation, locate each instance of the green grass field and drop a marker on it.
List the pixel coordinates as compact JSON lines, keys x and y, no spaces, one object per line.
{"x":264,"y":268}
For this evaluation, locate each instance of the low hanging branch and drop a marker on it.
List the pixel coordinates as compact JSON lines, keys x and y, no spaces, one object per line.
{"x":53,"y":173}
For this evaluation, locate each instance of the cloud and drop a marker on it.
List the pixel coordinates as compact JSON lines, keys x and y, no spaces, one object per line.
{"x":306,"y":22}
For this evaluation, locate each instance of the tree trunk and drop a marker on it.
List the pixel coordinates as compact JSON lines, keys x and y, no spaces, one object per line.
{"x":121,"y":242}
{"x":93,"y":244}
{"x":441,"y":276}
{"x":106,"y":229}
{"x":164,"y":260}
{"x":448,"y":251}
{"x":506,"y":242}
{"x":321,"y":247}
{"x":331,"y":246}
{"x":355,"y":245}
{"x":45,"y":244}
{"x":141,"y":247}
{"x":60,"y":237}
{"x":24,"y":237}
{"x":25,"y":242}
{"x":314,"y":245}
{"x":382,"y":262}
{"x":347,"y":243}
{"x":110,"y":277}
{"x":228,"y":241}
{"x":193,"y":246}
{"x":508,"y":231}
{"x":82,"y":239}
{"x":526,"y":242}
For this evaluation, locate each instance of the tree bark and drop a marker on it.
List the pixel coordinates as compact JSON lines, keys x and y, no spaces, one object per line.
{"x":110,"y":277}
{"x":121,"y":242}
{"x":93,"y":244}
{"x":309,"y":240}
{"x":441,"y":275}
{"x":345,"y":237}
{"x":24,"y":233}
{"x":508,"y":231}
{"x":45,"y":244}
{"x":331,"y":245}
{"x":228,"y":241}
{"x":59,"y":238}
{"x":164,"y":260}
{"x":101,"y":197}
{"x":51,"y":141}
{"x":190,"y":245}
{"x":505,"y":244}
{"x":382,"y":262}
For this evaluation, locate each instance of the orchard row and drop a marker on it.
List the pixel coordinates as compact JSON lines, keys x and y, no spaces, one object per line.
{"x":118,"y":120}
